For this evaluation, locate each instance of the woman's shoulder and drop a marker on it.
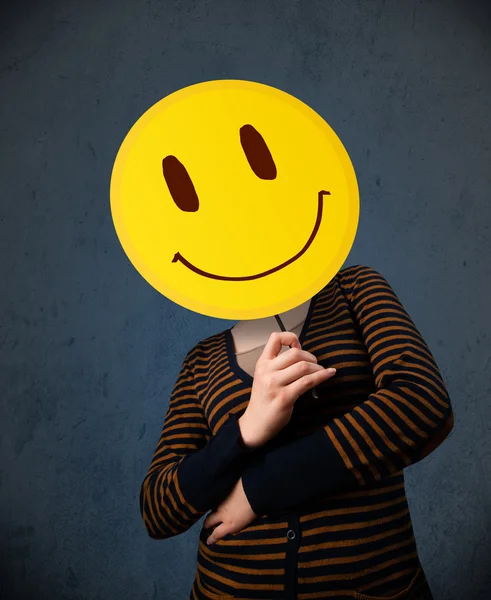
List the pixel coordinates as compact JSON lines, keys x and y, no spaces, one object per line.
{"x":348,"y":274}
{"x":352,"y":277}
{"x":203,"y":349}
{"x":355,"y":270}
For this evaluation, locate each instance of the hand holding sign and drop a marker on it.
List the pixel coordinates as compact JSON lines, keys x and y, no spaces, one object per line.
{"x":279,"y":379}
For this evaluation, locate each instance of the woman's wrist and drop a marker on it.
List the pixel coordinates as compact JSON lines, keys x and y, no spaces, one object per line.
{"x":246,"y":433}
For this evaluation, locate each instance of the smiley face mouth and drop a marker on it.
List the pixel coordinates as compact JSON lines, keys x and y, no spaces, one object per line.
{"x":179,"y":257}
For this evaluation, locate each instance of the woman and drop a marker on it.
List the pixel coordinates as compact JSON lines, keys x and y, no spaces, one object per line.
{"x":306,"y":495}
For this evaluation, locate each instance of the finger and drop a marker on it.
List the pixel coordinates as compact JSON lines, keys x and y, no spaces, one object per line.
{"x":291,"y":357}
{"x":212,"y":519}
{"x":217,"y":534}
{"x":307,"y":382}
{"x":278,"y":339}
{"x":296,"y":371}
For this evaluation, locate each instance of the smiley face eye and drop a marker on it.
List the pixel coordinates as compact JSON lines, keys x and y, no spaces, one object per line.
{"x":257,"y":152}
{"x":180,"y":184}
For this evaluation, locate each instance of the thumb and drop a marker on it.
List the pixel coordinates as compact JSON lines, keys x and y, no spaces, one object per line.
{"x":213,"y":518}
{"x":217,"y":534}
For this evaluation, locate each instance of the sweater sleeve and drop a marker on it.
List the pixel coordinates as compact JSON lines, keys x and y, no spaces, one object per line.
{"x":400,"y":423}
{"x":191,"y":469}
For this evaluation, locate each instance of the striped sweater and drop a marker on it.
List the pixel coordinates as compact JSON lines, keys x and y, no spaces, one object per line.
{"x":333,"y":519}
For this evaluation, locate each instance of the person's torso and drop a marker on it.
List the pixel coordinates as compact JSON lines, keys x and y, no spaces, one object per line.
{"x":344,"y":541}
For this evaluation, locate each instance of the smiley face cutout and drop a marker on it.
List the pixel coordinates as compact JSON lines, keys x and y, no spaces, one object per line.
{"x":234,"y":199}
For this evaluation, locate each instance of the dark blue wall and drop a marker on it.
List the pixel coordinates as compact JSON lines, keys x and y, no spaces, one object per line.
{"x":89,"y":351}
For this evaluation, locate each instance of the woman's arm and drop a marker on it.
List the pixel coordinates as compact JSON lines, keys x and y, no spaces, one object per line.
{"x":191,"y":470}
{"x":404,"y":420}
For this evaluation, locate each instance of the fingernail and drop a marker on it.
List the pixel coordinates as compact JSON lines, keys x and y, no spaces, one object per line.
{"x":331,"y":370}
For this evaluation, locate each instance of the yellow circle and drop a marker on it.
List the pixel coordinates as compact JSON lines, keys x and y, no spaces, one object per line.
{"x":275,"y":207}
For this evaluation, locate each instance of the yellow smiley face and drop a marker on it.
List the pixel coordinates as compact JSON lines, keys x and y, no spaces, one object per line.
{"x":234,"y":199}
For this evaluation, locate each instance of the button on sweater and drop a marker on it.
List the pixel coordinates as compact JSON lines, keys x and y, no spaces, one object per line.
{"x":332,"y":514}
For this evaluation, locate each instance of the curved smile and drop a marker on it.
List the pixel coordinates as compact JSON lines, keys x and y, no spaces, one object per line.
{"x":179,"y":257}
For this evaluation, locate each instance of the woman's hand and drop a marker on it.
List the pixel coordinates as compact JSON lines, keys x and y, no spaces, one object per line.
{"x":233,"y":514}
{"x":279,"y":379}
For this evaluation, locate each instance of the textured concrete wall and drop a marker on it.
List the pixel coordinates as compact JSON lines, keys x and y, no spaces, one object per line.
{"x":89,"y":351}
